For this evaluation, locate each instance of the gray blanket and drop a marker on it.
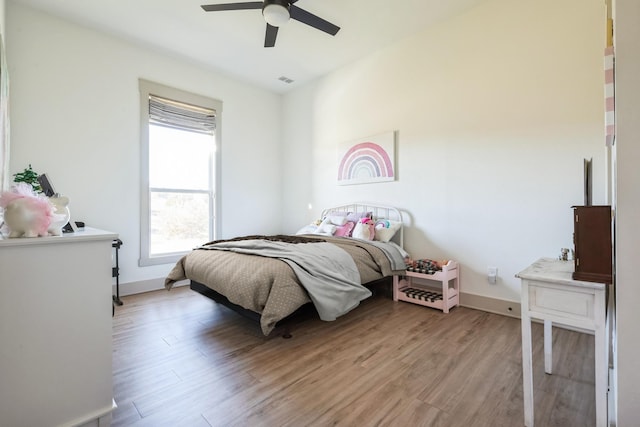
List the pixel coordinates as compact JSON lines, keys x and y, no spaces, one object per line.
{"x":327,"y":272}
{"x":393,"y":252}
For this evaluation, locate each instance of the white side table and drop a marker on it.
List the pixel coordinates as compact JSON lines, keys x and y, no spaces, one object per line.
{"x":550,"y":294}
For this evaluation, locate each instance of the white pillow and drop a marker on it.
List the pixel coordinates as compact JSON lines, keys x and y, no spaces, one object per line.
{"x":384,"y":234}
{"x":308,"y":229}
{"x":326,"y":228}
{"x":337,"y":219}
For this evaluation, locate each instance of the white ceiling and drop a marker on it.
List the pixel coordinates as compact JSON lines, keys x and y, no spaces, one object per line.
{"x":231,"y":42}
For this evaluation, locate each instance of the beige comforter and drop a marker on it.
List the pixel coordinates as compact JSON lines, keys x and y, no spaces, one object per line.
{"x":268,"y":285}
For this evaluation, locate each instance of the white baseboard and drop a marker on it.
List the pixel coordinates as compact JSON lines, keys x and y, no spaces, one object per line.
{"x":100,"y":417}
{"x":132,"y":288}
{"x":491,"y":305}
{"x":476,"y":302}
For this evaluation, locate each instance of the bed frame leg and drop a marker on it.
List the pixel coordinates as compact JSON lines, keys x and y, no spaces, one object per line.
{"x":286,"y":334}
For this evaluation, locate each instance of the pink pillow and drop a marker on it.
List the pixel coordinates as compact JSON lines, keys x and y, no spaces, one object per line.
{"x":344,"y":230}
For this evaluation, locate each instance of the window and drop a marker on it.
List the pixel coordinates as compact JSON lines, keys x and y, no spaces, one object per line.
{"x":179,"y":171}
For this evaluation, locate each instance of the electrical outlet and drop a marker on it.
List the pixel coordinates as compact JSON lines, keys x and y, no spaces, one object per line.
{"x":492,"y":275}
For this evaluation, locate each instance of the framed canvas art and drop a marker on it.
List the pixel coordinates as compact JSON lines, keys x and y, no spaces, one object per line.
{"x":367,"y":160}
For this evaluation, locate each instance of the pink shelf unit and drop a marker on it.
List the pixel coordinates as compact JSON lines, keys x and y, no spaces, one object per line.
{"x":420,"y":288}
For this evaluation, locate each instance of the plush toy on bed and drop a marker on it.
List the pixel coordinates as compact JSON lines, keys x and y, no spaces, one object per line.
{"x":364,"y":229}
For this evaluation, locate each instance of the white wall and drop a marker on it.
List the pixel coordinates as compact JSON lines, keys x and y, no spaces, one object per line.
{"x":627,"y":43}
{"x":4,"y":173}
{"x":74,"y":115}
{"x":2,"y":19}
{"x":495,"y":111}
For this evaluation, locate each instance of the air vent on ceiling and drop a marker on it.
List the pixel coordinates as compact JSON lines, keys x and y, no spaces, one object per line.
{"x":285,"y":79}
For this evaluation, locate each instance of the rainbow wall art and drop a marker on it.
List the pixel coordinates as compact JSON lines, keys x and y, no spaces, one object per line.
{"x":367,"y":160}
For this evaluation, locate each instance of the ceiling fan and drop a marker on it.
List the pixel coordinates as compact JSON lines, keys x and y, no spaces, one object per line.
{"x":277,"y":13}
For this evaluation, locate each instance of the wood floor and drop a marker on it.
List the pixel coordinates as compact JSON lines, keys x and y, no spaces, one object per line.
{"x":179,"y":359}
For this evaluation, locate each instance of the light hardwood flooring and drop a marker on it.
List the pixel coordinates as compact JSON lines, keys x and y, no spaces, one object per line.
{"x":180,"y":359}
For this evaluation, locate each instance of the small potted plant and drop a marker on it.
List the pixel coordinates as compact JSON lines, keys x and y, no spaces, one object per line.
{"x":28,"y":176}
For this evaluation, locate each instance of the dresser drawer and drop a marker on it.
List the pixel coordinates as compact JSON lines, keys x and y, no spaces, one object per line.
{"x":567,"y":303}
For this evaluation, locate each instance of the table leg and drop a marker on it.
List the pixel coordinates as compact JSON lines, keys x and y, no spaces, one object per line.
{"x":601,"y":356}
{"x":527,"y":375}
{"x":548,"y":346}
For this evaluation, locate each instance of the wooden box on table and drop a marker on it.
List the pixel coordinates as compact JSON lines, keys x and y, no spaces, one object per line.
{"x":593,"y":259}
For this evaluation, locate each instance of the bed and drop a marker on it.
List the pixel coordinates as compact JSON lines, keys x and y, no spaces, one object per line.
{"x":271,"y":278}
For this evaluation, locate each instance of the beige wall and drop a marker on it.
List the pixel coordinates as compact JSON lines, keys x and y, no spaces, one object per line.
{"x":75,"y":115}
{"x":627,"y":43}
{"x":495,"y":111}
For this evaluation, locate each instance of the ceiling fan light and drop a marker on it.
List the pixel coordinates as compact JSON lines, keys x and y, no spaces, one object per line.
{"x":275,"y":14}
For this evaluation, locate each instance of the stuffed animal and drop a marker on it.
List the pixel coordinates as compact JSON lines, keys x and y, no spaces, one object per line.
{"x":26,"y":213}
{"x":364,"y":229}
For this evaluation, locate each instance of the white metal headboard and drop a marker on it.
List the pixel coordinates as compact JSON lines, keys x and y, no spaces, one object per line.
{"x":378,"y":212}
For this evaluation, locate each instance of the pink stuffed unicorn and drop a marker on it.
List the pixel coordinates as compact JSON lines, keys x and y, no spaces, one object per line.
{"x":364,"y":229}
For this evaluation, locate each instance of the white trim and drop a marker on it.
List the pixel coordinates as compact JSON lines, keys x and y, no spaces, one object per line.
{"x":490,"y":305}
{"x":95,"y":418}
{"x":150,"y":88}
{"x":133,"y":288}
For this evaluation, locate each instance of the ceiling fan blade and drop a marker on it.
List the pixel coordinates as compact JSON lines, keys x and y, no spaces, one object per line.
{"x":312,"y":20}
{"x":270,"y":36}
{"x":233,"y":6}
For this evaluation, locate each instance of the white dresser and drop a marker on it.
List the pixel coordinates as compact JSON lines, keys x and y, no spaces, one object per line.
{"x":55,"y":330}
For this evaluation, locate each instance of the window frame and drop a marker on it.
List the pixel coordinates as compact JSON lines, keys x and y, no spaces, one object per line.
{"x":150,"y":88}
